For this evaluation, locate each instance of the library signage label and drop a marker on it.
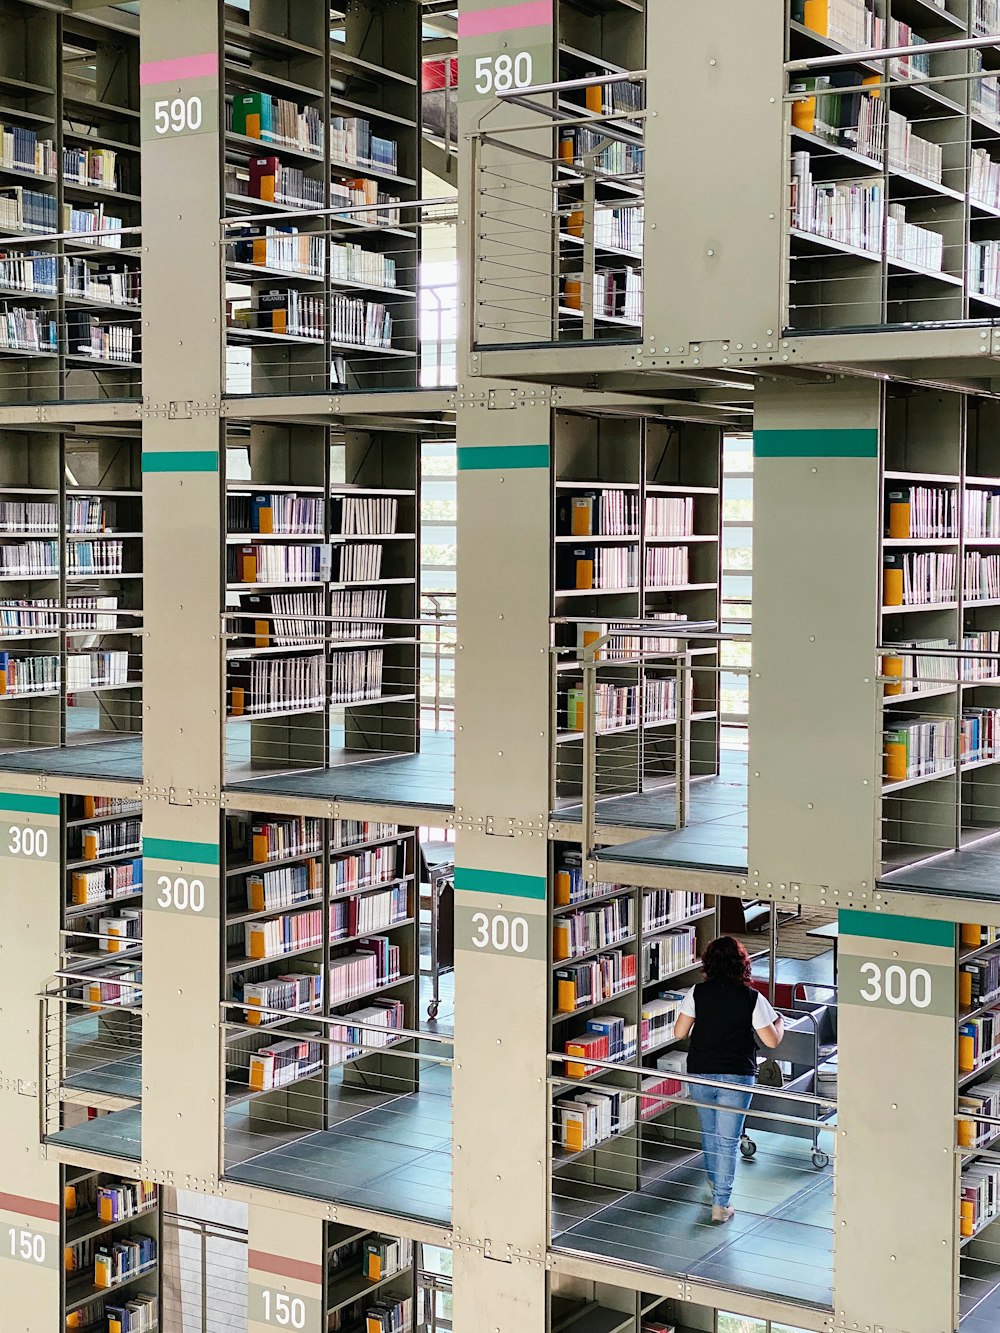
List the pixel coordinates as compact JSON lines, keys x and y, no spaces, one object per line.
{"x":181,"y":877}
{"x":29,"y":827}
{"x":30,"y":1247}
{"x":29,"y":1231}
{"x":272,"y":1308}
{"x":179,"y":97}
{"x":904,"y":964}
{"x":510,"y":934}
{"x":504,"y":47}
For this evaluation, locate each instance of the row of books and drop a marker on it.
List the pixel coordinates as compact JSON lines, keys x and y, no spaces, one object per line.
{"x":106,"y":883}
{"x":614,"y":228}
{"x":139,"y":1315}
{"x":366,"y":203}
{"x":985,"y":17}
{"x":269,"y":179}
{"x":29,"y":271}
{"x":114,"y":838}
{"x":21,"y":149}
{"x":28,"y":210}
{"x":356,"y":676}
{"x":658,"y":1017}
{"x":284,"y":248}
{"x":618,"y":707}
{"x":385,"y":1256}
{"x":981,"y":512}
{"x":294,"y":993}
{"x":275,"y":685}
{"x":123,"y":987}
{"x":390,"y":1316}
{"x":128,"y":1198}
{"x":29,"y":516}
{"x":96,"y":167}
{"x":600,"y":567}
{"x":88,"y":558}
{"x":922,"y":511}
{"x":275,"y":512}
{"x":96,"y":669}
{"x":103,"y":226}
{"x":120,"y":933}
{"x":284,"y":886}
{"x":284,"y":1062}
{"x":281,"y":935}
{"x":364,"y":515}
{"x":89,"y":611}
{"x":103,"y":282}
{"x":570,"y":887}
{"x":346,"y":833}
{"x":979,"y":981}
{"x":361,"y":323}
{"x":983,"y":1099}
{"x":981,"y":577}
{"x":984,"y":178}
{"x":670,"y":516}
{"x":624,"y":642}
{"x":591,"y":149}
{"x":585,"y":1119}
{"x":918,"y":747}
{"x":665,"y":955}
{"x":280,"y":620}
{"x":980,"y":734}
{"x":617,"y":293}
{"x":668,"y":566}
{"x":369,"y":968}
{"x":275,"y":563}
{"x":913,"y":578}
{"x":611,"y":513}
{"x":984,"y":268}
{"x":668,"y":907}
{"x":24,"y":330}
{"x":352,"y":141}
{"x":593,"y":981}
{"x":285,"y":311}
{"x":975,"y":936}
{"x":361,"y":563}
{"x":913,"y":666}
{"x":353,"y":263}
{"x":28,"y":675}
{"x":258,"y":115}
{"x":364,"y":913}
{"x":980,"y":1197}
{"x":120,"y":1260}
{"x":910,"y":152}
{"x":372,"y":866}
{"x":368,"y":1029}
{"x":275,"y":839}
{"x":837,"y":107}
{"x":29,"y":558}
{"x":26,"y":618}
{"x":581,"y":932}
{"x":611,"y":1040}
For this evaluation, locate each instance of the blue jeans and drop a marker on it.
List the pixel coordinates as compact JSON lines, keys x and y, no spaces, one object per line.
{"x":721,"y":1129}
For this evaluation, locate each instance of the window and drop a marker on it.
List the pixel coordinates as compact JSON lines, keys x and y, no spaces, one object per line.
{"x":737,"y":574}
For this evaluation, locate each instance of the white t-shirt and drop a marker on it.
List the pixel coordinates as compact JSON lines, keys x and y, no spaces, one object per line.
{"x":763,"y":1014}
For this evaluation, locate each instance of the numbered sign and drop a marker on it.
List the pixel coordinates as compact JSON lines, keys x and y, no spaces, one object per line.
{"x":29,"y":827}
{"x":505,"y":47}
{"x":877,"y":983}
{"x":511,"y":934}
{"x":274,"y":1307}
{"x":183,"y":884}
{"x":31,"y":1247}
{"x":179,"y":97}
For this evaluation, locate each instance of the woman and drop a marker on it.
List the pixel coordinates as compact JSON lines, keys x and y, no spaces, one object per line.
{"x":722,"y":1014}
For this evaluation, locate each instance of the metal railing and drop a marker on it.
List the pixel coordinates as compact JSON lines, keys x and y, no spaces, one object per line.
{"x":557,"y":246}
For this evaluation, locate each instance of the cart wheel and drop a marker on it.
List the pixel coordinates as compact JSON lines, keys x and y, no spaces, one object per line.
{"x":432,"y":1009}
{"x":820,"y":1159}
{"x":747,"y":1147}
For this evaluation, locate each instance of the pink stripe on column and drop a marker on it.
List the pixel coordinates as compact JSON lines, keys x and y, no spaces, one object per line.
{"x":20,"y":1203}
{"x":504,"y":18}
{"x":262,"y":1262}
{"x":184,"y":67}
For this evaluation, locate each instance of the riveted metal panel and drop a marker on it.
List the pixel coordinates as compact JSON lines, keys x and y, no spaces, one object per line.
{"x":287,"y":1259}
{"x":814,"y":751}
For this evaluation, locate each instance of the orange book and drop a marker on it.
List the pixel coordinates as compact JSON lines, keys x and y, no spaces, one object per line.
{"x":594,"y":99}
{"x":562,"y":888}
{"x":238,"y":704}
{"x":262,"y":634}
{"x":259,"y":848}
{"x":972,"y":936}
{"x":565,"y":997}
{"x":90,"y":846}
{"x":965,"y":989}
{"x":966,"y":1054}
{"x":573,"y":294}
{"x":248,"y":565}
{"x":899,"y":514}
{"x":560,"y":941}
{"x":574,"y":226}
{"x":892,"y":583}
{"x":576,"y":1068}
{"x":89,"y":807}
{"x":893,"y":666}
{"x":584,"y":573}
{"x":573,"y":1130}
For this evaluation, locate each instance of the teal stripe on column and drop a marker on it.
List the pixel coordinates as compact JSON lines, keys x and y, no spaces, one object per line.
{"x":815,"y":443}
{"x":180,"y":460}
{"x":173,"y":849}
{"x":499,"y":882}
{"x":907,"y":929}
{"x":494,"y":457}
{"x":26,"y":804}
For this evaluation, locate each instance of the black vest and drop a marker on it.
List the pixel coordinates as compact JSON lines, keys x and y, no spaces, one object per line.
{"x":722,"y":1040}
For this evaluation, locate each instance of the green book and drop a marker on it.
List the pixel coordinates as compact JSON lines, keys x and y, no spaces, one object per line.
{"x":252,"y":115}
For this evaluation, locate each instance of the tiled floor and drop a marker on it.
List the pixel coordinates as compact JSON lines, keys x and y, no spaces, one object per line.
{"x":111,"y":759}
{"x":779,"y":1243}
{"x":118,"y":1134}
{"x":973,"y":873}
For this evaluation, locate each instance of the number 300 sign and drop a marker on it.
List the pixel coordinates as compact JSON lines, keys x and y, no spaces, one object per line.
{"x":899,"y":986}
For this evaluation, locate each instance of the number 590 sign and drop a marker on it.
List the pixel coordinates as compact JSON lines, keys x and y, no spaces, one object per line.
{"x":179,"y":97}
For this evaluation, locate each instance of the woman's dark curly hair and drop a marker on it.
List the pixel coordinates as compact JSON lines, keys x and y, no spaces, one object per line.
{"x":725,"y":959}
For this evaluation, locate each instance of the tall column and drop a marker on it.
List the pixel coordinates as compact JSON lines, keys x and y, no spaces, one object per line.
{"x":814,"y":744}
{"x":287,"y":1263}
{"x":30,"y":890}
{"x":182,"y":711}
{"x":501,"y":793}
{"x":896,"y":1165}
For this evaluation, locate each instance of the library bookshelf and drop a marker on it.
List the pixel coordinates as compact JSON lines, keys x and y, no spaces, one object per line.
{"x":939,"y":593}
{"x":322,"y":562}
{"x":895,"y":174}
{"x":620,"y":958}
{"x":322,"y":131}
{"x":321,"y":918}
{"x":370,"y":1281}
{"x":613,"y":1311}
{"x":636,"y":524}
{"x":70,"y":308}
{"x":111,"y":1237}
{"x":70,"y":586}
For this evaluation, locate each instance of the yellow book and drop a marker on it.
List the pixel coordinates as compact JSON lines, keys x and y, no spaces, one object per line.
{"x":893,"y":666}
{"x":89,"y":807}
{"x":259,"y":251}
{"x":373,"y":1266}
{"x":899,"y":514}
{"x":971,"y":936}
{"x":256,"y":1076}
{"x":803,"y":112}
{"x":102,"y":1271}
{"x":560,"y":941}
{"x":238,"y":701}
{"x":68,"y":1262}
{"x":594,"y":99}
{"x":573,"y":294}
{"x":817,"y":16}
{"x":563,"y":883}
{"x":574,"y":225}
{"x":257,"y":945}
{"x":892,"y":587}
{"x":74,"y":1320}
{"x":104,"y":1210}
{"x":114,"y":1325}
{"x":581,"y":516}
{"x":254,"y":1018}
{"x":565,"y":997}
{"x":894,"y":767}
{"x":255,"y":884}
{"x":259,"y":852}
{"x":965,"y":989}
{"x":91,"y":848}
{"x":265,"y":515}
{"x":575,"y":1068}
{"x":968,"y":1218}
{"x":584,"y":574}
{"x":262,"y":634}
{"x":573,"y":1131}
{"x":966,"y":1054}
{"x":248,"y":565}
{"x":69,"y":1199}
